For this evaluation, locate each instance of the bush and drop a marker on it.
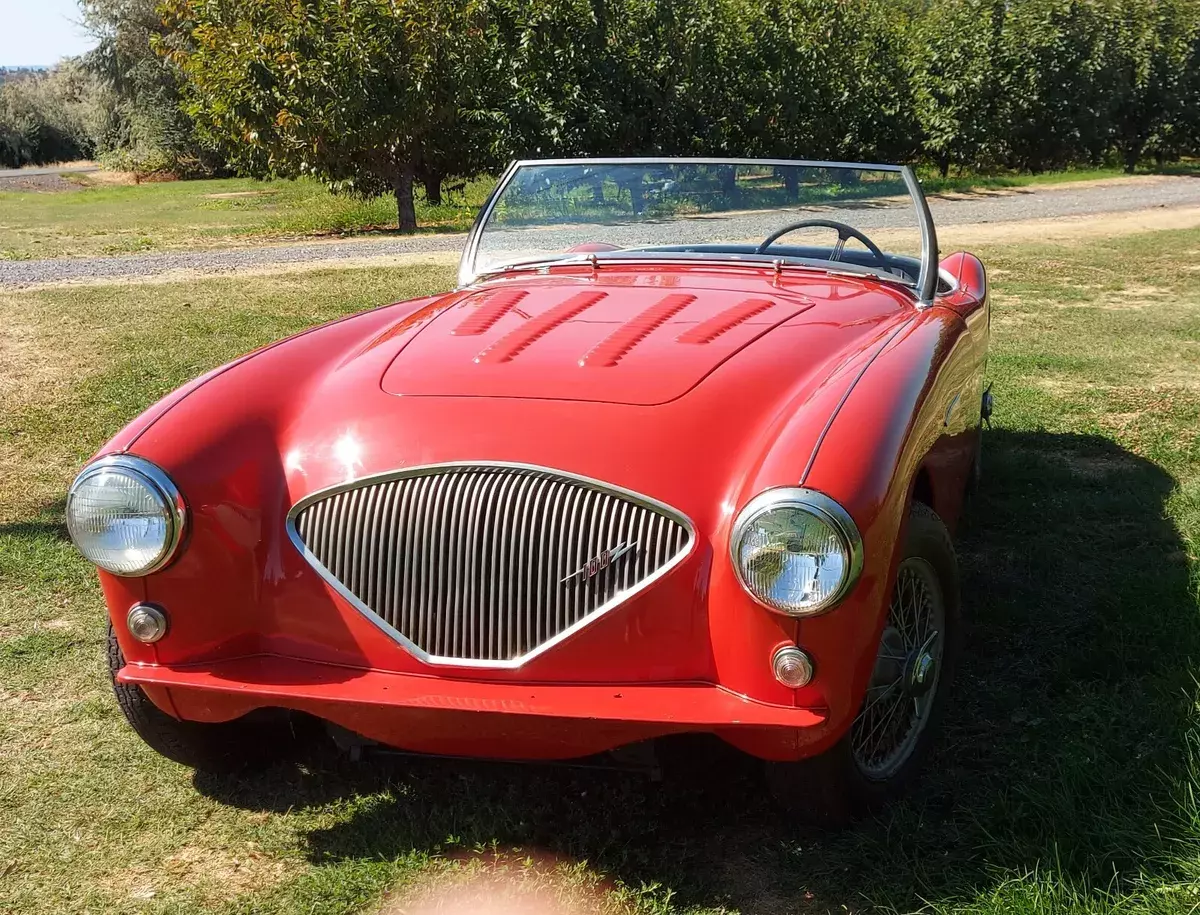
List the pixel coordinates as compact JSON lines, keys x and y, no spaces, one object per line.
{"x":47,"y":118}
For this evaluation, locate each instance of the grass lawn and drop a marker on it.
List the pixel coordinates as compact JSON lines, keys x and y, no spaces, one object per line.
{"x":1068,"y":779}
{"x":101,"y":219}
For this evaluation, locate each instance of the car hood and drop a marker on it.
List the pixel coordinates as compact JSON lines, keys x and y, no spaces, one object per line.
{"x":625,"y":339}
{"x":686,"y":386}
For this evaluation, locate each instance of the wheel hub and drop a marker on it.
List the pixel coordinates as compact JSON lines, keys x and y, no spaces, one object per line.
{"x":915,"y":670}
{"x":920,"y":668}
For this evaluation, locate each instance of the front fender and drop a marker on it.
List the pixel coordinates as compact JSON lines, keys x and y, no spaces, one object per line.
{"x":902,"y":420}
{"x":219,"y":444}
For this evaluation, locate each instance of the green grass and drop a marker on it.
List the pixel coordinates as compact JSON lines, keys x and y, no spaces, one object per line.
{"x":936,"y":184}
{"x":103,"y":219}
{"x":1067,"y":781}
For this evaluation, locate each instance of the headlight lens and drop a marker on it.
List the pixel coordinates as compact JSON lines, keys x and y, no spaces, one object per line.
{"x":796,"y":551}
{"x":125,"y":515}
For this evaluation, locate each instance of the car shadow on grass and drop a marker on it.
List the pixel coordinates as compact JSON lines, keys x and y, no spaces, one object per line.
{"x":1064,"y":754}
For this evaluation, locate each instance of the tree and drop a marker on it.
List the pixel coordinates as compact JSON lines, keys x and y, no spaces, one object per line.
{"x":1144,"y":59}
{"x":47,"y":117}
{"x":1183,"y":134}
{"x":367,"y":95}
{"x":1054,"y":100}
{"x":141,"y":125}
{"x":956,"y":79}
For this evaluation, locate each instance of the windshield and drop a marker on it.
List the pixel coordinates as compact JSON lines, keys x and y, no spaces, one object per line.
{"x":857,"y":219}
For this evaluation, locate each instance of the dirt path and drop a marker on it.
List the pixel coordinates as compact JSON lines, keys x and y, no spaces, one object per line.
{"x":1087,"y":209}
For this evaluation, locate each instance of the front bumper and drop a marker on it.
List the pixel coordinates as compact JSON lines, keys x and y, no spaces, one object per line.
{"x":477,"y":718}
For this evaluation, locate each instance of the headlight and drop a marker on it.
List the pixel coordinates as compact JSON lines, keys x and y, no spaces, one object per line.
{"x":125,"y":515}
{"x":796,"y":551}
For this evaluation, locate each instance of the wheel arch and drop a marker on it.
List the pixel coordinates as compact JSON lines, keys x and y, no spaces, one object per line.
{"x":922,"y":488}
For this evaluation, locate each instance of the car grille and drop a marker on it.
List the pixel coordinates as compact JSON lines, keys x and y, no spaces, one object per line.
{"x":486,"y":564}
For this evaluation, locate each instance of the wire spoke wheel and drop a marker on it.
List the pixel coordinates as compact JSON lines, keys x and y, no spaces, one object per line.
{"x":903,"y":685}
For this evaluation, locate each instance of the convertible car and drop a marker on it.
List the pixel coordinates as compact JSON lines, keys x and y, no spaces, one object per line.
{"x":681,"y":453}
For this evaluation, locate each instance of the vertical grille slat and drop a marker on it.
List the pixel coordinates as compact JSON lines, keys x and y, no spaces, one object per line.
{"x":487,"y":563}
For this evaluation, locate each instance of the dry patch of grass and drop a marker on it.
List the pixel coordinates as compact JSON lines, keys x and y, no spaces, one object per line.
{"x":1069,"y":229}
{"x":42,"y":356}
{"x":234,"y":195}
{"x":213,"y":874}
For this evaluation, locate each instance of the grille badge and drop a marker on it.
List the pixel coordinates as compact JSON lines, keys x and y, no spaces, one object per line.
{"x":598,"y":564}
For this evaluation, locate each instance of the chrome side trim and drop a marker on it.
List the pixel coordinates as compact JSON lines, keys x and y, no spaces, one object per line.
{"x":433,"y":470}
{"x":157,"y":479}
{"x":815,"y":503}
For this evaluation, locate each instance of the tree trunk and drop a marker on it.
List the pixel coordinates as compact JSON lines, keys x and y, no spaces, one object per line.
{"x":637,"y":194}
{"x":791,"y":184}
{"x":433,"y":190}
{"x":1133,"y":153}
{"x":944,"y":165}
{"x":729,"y":186}
{"x":405,"y":209}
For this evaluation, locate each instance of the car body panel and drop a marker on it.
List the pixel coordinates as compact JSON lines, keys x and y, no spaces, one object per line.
{"x":842,"y":384}
{"x":641,"y":338}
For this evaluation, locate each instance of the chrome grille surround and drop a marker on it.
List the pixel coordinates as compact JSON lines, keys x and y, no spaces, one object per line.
{"x":514,"y":601}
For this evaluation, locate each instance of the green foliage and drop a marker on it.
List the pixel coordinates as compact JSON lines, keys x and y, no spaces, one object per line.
{"x":1050,"y":54}
{"x":1149,"y":47}
{"x":143,"y":127}
{"x":366,"y":94}
{"x":375,"y":96}
{"x":957,"y":87}
{"x":47,"y":118}
{"x":1039,"y":84}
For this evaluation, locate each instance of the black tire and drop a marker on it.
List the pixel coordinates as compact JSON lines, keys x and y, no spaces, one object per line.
{"x":832,"y":790}
{"x":250,"y":742}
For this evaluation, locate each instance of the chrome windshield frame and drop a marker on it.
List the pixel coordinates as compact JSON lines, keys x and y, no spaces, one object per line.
{"x":926,"y":287}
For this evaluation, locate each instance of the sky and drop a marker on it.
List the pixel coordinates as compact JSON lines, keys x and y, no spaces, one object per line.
{"x":40,"y":32}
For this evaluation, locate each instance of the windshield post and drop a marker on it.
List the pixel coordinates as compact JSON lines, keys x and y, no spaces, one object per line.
{"x":466,"y":263}
{"x":927,"y":282}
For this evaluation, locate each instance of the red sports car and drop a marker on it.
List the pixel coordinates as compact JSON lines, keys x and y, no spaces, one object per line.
{"x":683,"y":452}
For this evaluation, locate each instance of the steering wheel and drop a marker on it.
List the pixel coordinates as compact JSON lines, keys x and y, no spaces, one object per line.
{"x":844,"y":232}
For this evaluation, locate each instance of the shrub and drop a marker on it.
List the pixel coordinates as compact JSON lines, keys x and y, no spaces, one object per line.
{"x":45,"y":118}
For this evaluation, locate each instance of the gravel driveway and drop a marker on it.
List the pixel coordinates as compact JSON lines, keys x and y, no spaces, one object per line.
{"x":1013,"y":205}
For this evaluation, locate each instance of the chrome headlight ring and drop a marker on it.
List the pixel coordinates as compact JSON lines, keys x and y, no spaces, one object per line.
{"x":155,"y":484}
{"x":826,"y":517}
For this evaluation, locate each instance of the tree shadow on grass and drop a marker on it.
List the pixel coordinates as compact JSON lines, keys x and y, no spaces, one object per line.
{"x":48,"y":521}
{"x":1065,"y":752}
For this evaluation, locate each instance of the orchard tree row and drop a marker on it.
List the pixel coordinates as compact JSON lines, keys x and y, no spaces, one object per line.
{"x":388,"y":96}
